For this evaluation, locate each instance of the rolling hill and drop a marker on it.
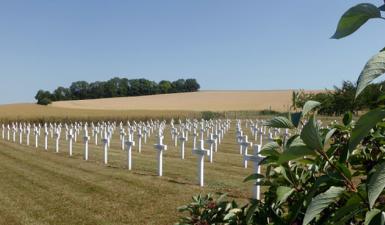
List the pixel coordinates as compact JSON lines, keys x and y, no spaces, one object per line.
{"x":192,"y":101}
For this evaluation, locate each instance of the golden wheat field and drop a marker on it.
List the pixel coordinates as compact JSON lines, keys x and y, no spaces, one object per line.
{"x":193,"y":101}
{"x":34,"y":112}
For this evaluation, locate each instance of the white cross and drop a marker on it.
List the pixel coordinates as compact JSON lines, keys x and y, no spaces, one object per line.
{"x":257,"y":169}
{"x":245,"y":144}
{"x":140,"y":140}
{"x":239,"y":139}
{"x":122,"y":138}
{"x":160,"y":147}
{"x":105,"y":146}
{"x":201,"y":153}
{"x":36,"y":137}
{"x":8,"y":129}
{"x":96,"y":135}
{"x":182,"y":138}
{"x":46,"y":137}
{"x":86,"y":138}
{"x":129,"y":144}
{"x":57,"y":137}
{"x":175,"y":136}
{"x":28,"y":134}
{"x":14,"y":133}
{"x":211,"y":141}
{"x":70,"y":138}
{"x":20,"y":134}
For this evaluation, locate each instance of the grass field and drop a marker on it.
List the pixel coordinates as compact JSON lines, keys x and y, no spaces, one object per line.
{"x":43,"y":187}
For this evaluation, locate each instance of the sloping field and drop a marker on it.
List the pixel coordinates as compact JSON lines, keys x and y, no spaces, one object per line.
{"x":196,"y":101}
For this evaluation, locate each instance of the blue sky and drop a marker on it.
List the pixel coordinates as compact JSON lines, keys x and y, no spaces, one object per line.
{"x":226,"y":45}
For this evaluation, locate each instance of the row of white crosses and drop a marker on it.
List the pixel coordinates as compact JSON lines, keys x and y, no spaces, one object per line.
{"x":213,"y":130}
{"x":258,"y":130}
{"x":255,"y":157}
{"x":214,"y":138}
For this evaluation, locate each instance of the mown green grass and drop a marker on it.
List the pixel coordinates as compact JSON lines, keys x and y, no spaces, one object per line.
{"x":44,"y":187}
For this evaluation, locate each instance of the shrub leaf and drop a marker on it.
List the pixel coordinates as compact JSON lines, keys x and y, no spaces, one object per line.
{"x":364,"y":125}
{"x":320,"y":202}
{"x":309,"y":106}
{"x":311,"y":136}
{"x":376,"y":184}
{"x":279,"y":122}
{"x":374,"y":68}
{"x":354,"y":18}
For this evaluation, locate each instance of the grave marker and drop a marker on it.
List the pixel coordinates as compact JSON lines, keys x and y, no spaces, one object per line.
{"x":256,"y":159}
{"x":182,"y":138}
{"x":105,"y":146}
{"x":70,"y":140}
{"x":160,"y":147}
{"x":201,"y":152}
{"x":129,"y":144}
{"x":86,"y":139}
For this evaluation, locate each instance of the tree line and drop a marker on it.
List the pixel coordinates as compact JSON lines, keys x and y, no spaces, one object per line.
{"x":115,"y":87}
{"x":342,"y":99}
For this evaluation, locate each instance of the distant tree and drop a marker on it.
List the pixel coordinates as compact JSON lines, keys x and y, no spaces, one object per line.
{"x":191,"y":85}
{"x":124,"y":87}
{"x":178,"y":86}
{"x":116,"y":87}
{"x":79,"y":90}
{"x":61,"y":94}
{"x":96,"y":90}
{"x":164,"y":86}
{"x":111,"y":87}
{"x":344,"y":98}
{"x":43,"y":97}
{"x":134,"y":87}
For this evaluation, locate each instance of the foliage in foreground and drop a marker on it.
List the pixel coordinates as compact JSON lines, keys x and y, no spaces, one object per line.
{"x":320,"y":175}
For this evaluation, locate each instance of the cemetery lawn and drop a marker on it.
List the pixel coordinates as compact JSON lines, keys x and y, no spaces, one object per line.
{"x":43,"y":187}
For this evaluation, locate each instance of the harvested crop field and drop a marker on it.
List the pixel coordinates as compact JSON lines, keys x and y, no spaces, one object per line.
{"x":194,"y":101}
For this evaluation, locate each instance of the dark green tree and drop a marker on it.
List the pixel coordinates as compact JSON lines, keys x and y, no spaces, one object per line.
{"x":61,"y":94}
{"x":44,"y":97}
{"x":79,"y":90}
{"x":178,"y":86}
{"x":164,"y":86}
{"x":191,"y":85}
